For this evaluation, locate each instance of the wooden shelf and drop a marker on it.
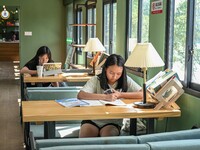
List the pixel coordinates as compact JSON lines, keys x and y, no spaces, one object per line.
{"x":78,"y":45}
{"x":77,"y":66}
{"x":82,"y":24}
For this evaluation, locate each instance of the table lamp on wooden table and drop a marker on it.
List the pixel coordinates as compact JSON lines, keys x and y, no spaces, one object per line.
{"x":94,"y":45}
{"x":144,"y":55}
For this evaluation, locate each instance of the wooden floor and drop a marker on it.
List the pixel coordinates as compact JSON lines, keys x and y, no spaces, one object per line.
{"x":11,"y":130}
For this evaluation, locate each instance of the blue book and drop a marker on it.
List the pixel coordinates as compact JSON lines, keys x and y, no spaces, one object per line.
{"x":71,"y":102}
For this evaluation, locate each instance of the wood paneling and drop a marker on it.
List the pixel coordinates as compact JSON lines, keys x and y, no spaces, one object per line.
{"x":9,"y":51}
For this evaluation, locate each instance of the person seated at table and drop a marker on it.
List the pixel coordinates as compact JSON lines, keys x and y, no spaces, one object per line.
{"x":42,"y":56}
{"x":113,"y":77}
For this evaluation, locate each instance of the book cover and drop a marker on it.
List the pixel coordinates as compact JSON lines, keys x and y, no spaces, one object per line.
{"x":52,"y":68}
{"x":71,"y":102}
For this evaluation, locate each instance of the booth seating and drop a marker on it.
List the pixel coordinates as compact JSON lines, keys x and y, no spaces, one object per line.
{"x":63,"y":128}
{"x":51,"y":93}
{"x":183,"y":140}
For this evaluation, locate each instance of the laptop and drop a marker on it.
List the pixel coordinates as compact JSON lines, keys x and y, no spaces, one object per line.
{"x":52,"y":68}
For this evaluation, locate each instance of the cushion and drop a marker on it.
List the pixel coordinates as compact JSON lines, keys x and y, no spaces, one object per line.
{"x":101,"y":147}
{"x":192,"y":144}
{"x":86,"y":141}
{"x":168,"y":136}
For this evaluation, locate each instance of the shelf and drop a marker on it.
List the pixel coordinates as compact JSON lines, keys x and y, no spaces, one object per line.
{"x":78,"y":45}
{"x":9,"y":26}
{"x":82,"y":24}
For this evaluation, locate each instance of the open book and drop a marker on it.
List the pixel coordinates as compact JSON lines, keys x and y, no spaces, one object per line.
{"x":117,"y":102}
{"x":74,"y":102}
{"x":71,"y":102}
{"x":52,"y":68}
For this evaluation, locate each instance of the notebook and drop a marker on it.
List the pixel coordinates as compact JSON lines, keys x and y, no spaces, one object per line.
{"x":52,"y":68}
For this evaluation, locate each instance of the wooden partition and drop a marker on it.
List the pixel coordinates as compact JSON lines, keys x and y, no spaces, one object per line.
{"x":9,"y":51}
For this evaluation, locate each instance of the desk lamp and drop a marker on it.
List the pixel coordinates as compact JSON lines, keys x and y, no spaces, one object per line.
{"x":144,"y":55}
{"x":94,"y":45}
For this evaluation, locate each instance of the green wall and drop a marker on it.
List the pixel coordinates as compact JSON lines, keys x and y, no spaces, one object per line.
{"x":121,"y":27}
{"x":157,"y":36}
{"x":46,"y":20}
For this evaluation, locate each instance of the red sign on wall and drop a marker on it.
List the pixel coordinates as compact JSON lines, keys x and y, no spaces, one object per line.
{"x":157,"y":7}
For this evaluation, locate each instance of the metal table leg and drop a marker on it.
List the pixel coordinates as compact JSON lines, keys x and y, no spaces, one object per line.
{"x":49,"y":129}
{"x":133,"y":126}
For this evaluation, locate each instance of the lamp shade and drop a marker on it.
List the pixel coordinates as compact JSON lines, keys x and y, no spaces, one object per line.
{"x":94,"y":45}
{"x":144,"y":55}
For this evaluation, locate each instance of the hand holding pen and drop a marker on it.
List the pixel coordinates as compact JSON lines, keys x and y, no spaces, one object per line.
{"x":112,"y":94}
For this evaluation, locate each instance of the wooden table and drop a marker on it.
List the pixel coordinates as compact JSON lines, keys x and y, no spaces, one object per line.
{"x":30,"y":79}
{"x":50,"y":111}
{"x":77,"y":78}
{"x":66,"y":77}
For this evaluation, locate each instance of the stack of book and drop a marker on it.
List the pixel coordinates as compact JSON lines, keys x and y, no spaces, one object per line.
{"x":166,"y":89}
{"x":157,"y":82}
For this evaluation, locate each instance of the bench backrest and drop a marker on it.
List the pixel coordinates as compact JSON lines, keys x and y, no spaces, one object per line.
{"x":51,"y":94}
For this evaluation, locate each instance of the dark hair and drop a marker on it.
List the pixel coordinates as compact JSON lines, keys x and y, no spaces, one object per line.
{"x":40,"y":52}
{"x":114,"y":59}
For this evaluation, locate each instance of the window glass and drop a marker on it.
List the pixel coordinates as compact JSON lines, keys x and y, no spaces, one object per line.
{"x":106,"y":26}
{"x":196,"y":45}
{"x":133,"y":24}
{"x":180,"y":19}
{"x":114,"y":27}
{"x":91,"y":20}
{"x":145,"y":20}
{"x":79,"y":28}
{"x":110,"y":25}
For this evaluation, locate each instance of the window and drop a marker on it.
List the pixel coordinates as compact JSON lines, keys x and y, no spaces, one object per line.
{"x":138,"y":27}
{"x":145,"y":20}
{"x":132,"y":24}
{"x":183,"y":44}
{"x":109,"y":25}
{"x":79,"y":34}
{"x":91,"y":19}
{"x":138,"y":23}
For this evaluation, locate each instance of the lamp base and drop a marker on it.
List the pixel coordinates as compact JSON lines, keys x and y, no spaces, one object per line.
{"x":144,"y":105}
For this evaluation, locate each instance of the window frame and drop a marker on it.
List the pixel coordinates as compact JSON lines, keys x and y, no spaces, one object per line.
{"x":111,"y":2}
{"x":188,"y":86}
{"x":93,"y":8}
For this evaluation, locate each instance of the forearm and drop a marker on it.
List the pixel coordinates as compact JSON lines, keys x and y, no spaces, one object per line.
{"x":26,"y":70}
{"x":91,"y":96}
{"x":128,"y":95}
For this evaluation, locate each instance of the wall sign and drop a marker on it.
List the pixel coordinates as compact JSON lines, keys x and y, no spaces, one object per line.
{"x":157,"y":7}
